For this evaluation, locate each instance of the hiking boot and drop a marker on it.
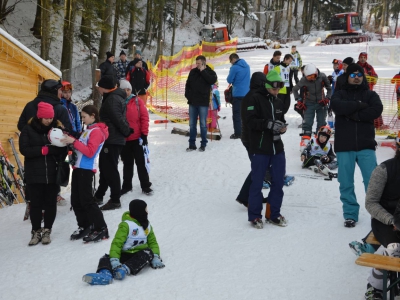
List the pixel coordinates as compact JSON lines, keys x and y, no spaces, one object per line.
{"x":202,"y":148}
{"x":349,"y":223}
{"x":80,"y":233}
{"x":103,"y":277}
{"x":110,"y":205}
{"x":148,"y":191}
{"x":61,"y":201}
{"x":234,"y":137}
{"x":96,"y":235}
{"x":373,"y":293}
{"x":257,"y":223}
{"x":99,"y":201}
{"x":121,"y":272}
{"x":280,"y":221}
{"x":46,"y":236}
{"x":125,"y":191}
{"x":36,"y":237}
{"x":191,"y":148}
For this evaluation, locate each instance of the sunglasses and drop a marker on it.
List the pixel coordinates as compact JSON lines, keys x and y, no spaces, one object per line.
{"x":353,"y":75}
{"x":311,"y":77}
{"x":276,"y":84}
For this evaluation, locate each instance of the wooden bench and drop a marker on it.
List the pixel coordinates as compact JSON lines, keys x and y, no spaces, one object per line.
{"x":371,"y":239}
{"x":385,"y":264}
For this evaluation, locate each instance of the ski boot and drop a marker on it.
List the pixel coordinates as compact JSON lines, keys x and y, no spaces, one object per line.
{"x":103,"y":277}
{"x":266,"y":184}
{"x":121,"y":272}
{"x":288,"y":180}
{"x":96,"y":235}
{"x":305,"y":139}
{"x":257,"y":223}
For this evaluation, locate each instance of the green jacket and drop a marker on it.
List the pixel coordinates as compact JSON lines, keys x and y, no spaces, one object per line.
{"x":122,"y":234}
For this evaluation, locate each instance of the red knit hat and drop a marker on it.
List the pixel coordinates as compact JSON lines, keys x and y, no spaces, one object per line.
{"x":363,"y":54}
{"x":45,"y":111}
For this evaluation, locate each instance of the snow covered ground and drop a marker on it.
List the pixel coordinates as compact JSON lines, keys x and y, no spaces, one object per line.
{"x":209,"y":248}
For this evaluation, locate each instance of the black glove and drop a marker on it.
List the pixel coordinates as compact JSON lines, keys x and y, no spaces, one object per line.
{"x":275,"y":126}
{"x":330,"y":78}
{"x":325,"y":159}
{"x":144,"y":139}
{"x":361,"y":105}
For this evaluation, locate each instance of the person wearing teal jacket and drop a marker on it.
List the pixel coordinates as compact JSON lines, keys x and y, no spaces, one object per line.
{"x":133,"y":247}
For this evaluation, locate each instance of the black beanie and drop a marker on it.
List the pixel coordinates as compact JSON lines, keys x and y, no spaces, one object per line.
{"x":137,"y":210}
{"x":354,"y":68}
{"x":109,"y":54}
{"x":122,"y":53}
{"x":348,"y":61}
{"x":106,"y":82}
{"x":51,"y":86}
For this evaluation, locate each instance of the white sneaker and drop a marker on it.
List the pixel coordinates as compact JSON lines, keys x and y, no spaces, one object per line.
{"x":61,"y":201}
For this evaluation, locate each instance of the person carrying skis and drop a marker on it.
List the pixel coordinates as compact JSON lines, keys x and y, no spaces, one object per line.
{"x":133,"y":248}
{"x":91,"y":224}
{"x":316,"y":102}
{"x":319,"y":153}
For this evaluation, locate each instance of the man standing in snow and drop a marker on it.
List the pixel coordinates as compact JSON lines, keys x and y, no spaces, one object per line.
{"x":266,"y":123}
{"x":239,"y":77}
{"x":295,"y":65}
{"x":198,"y":93}
{"x":121,"y":66}
{"x":275,"y":60}
{"x":107,"y":69}
{"x":355,"y":107}
{"x":283,"y":70}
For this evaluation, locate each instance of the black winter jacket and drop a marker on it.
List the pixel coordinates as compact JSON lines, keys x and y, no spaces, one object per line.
{"x":30,"y":110}
{"x":108,"y":70}
{"x":355,"y":108}
{"x":263,"y":107}
{"x":257,"y":81}
{"x":113,"y":113}
{"x":139,"y":80}
{"x":40,"y":168}
{"x":198,"y":86}
{"x":390,"y":199}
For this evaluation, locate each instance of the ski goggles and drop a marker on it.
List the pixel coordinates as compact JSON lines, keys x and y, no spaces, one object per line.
{"x":326,"y":130}
{"x":353,"y":75}
{"x":311,"y":77}
{"x":276,"y":84}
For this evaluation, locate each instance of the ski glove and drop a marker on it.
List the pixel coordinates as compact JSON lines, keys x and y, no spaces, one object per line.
{"x":362,"y":105}
{"x":45,"y":150}
{"x":144,"y":139}
{"x":156,"y":263}
{"x":325,"y":159}
{"x":275,"y":126}
{"x":115,"y":263}
{"x":300,"y":104}
{"x":324,"y":102}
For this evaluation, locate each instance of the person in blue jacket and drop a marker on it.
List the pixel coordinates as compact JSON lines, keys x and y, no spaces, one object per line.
{"x":73,"y":112}
{"x":239,"y":77}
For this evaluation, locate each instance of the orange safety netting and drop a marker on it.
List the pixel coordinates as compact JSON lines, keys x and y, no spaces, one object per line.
{"x":169,"y":75}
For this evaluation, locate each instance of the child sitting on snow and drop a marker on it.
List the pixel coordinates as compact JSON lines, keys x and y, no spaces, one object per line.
{"x":318,"y":154}
{"x":134,"y":247}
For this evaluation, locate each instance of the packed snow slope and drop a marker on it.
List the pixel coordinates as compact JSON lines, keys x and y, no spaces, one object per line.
{"x":208,"y":246}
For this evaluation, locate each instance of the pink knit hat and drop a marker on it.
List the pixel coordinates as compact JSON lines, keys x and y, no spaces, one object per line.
{"x":45,"y":111}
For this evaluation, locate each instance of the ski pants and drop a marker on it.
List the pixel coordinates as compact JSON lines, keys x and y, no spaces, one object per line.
{"x":309,"y":115}
{"x":259,"y":165}
{"x":366,"y":160}
{"x":132,"y":153}
{"x":294,"y":73}
{"x":285,"y":99}
{"x":43,"y":196}
{"x":236,"y":115}
{"x":87,"y":211}
{"x":109,"y":175}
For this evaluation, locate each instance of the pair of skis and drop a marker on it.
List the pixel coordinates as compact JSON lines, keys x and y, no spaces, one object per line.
{"x":316,"y":176}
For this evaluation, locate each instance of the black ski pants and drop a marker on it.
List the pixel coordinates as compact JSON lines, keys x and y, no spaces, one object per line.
{"x":43,"y":196}
{"x":87,"y":211}
{"x":385,"y":234}
{"x":109,"y":175}
{"x":294,"y":73}
{"x":285,"y":99}
{"x":132,"y":153}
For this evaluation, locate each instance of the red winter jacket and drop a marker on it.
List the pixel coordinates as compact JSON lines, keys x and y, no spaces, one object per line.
{"x":369,"y":71}
{"x":138,"y":118}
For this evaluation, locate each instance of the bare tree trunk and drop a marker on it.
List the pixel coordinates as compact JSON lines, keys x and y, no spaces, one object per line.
{"x":68,"y":37}
{"x":208,"y":12}
{"x":289,"y":18}
{"x":149,"y":20}
{"x":190,"y":6}
{"x":296,"y":13}
{"x":45,"y":41}
{"x":173,"y":30}
{"x":95,"y":92}
{"x":116,"y":22}
{"x":184,"y":4}
{"x":199,"y":5}
{"x":304,"y":15}
{"x":258,"y":24}
{"x":319,"y":15}
{"x":160,"y":41}
{"x":383,"y":19}
{"x":212,"y":12}
{"x":131,"y":26}
{"x":36,"y":29}
{"x":104,"y":45}
{"x":85,"y":29}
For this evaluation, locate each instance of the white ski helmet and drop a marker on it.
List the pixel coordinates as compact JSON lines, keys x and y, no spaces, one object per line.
{"x":54,"y":136}
{"x":310,"y":69}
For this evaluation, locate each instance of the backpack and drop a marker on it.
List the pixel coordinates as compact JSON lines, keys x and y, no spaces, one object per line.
{"x":228,"y":94}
